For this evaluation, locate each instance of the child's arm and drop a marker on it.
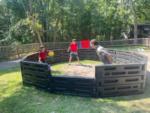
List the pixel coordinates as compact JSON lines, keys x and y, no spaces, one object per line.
{"x":68,"y":49}
{"x":77,"y":47}
{"x":39,"y":58}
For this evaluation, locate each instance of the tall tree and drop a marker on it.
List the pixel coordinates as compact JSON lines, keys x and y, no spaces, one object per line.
{"x":62,"y":20}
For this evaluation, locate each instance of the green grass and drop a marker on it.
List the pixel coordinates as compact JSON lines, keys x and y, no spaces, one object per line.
{"x":16,"y":98}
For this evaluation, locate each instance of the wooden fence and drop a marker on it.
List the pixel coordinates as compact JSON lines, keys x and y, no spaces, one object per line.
{"x":15,"y":52}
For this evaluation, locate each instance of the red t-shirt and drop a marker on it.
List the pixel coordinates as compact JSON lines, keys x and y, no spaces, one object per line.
{"x":73,"y":47}
{"x":85,"y":43}
{"x":43,"y":55}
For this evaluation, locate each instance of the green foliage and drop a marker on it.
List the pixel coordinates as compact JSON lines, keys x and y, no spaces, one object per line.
{"x":4,"y":22}
{"x":21,"y":32}
{"x":62,"y":20}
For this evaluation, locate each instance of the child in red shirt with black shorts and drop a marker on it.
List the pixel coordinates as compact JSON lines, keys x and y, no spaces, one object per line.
{"x":73,"y":49}
{"x":42,"y":55}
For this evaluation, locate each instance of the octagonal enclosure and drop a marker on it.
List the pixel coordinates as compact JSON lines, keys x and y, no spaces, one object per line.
{"x":126,"y":76}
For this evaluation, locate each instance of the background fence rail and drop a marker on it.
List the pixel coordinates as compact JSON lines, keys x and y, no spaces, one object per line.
{"x":14,"y":52}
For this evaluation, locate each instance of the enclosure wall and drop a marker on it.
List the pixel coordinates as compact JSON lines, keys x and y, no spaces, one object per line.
{"x":127,"y":75}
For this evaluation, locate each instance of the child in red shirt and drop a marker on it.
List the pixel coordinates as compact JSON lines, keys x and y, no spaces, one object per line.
{"x":73,"y":49}
{"x":43,"y":54}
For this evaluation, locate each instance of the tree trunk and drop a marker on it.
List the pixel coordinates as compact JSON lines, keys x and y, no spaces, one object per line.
{"x":55,"y":30}
{"x":135,"y":33}
{"x":30,"y":7}
{"x":111,"y":38}
{"x":135,"y":22}
{"x":39,"y":38}
{"x":33,"y":22}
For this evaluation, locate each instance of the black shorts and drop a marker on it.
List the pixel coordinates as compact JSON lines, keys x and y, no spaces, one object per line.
{"x":43,"y":61}
{"x":73,"y":54}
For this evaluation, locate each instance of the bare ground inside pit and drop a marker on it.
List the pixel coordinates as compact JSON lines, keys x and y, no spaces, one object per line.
{"x":78,"y":70}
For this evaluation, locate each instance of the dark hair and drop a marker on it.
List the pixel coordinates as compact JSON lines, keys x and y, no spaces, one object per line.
{"x":42,"y":47}
{"x":73,"y":39}
{"x":95,"y":43}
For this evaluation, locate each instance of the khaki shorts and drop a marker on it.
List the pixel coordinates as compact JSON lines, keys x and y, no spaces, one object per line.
{"x":104,"y":57}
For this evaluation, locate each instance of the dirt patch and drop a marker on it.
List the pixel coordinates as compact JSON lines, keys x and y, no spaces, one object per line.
{"x":78,"y":70}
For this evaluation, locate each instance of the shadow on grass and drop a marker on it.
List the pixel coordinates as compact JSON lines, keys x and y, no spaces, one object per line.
{"x":9,"y":70}
{"x":56,"y":73}
{"x":31,"y":100}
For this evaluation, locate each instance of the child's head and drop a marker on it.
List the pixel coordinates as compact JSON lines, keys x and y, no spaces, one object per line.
{"x":73,"y":40}
{"x":42,"y":48}
{"x":93,"y":43}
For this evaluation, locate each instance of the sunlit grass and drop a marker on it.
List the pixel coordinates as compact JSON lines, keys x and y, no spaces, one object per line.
{"x":15,"y":98}
{"x":9,"y":82}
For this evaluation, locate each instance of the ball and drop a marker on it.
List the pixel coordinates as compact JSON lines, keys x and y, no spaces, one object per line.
{"x":51,"y":53}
